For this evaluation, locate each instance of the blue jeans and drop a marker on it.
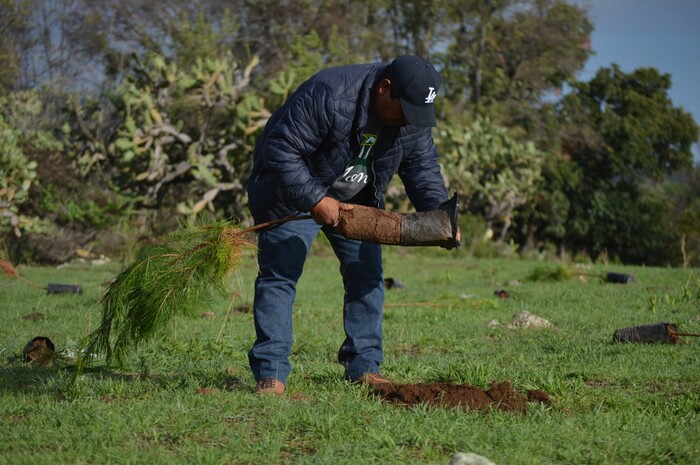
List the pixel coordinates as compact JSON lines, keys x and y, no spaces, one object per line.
{"x":281,"y":256}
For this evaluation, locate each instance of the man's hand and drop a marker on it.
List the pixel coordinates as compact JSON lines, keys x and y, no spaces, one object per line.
{"x":449,"y":245}
{"x":326,"y":212}
{"x":458,"y":238}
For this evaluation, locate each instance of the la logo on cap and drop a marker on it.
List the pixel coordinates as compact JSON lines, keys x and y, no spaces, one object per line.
{"x":431,"y":95}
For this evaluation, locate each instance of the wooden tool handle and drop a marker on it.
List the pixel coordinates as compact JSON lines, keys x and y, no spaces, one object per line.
{"x":685,"y":334}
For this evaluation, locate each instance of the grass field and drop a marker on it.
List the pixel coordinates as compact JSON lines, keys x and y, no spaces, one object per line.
{"x":613,"y":403}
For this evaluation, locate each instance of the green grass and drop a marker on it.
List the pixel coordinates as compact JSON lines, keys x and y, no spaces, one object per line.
{"x":613,"y":403}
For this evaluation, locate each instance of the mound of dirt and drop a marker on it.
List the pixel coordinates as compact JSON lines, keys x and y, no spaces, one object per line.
{"x":500,"y":396}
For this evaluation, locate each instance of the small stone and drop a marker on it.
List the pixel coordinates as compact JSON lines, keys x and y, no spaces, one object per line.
{"x":493,"y":324}
{"x":460,"y":458}
{"x":526,"y":319}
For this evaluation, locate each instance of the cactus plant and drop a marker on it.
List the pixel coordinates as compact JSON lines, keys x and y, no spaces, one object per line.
{"x":494,"y":172}
{"x":196,"y":124}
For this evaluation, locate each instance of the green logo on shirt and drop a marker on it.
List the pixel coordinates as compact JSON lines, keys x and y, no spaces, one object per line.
{"x":369,"y":140}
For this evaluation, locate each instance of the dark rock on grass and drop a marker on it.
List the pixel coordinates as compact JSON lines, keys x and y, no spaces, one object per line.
{"x":501,"y":293}
{"x":40,"y":350}
{"x":393,"y":283}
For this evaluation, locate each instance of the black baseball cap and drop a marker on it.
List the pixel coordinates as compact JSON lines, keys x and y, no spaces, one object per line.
{"x":417,"y":83}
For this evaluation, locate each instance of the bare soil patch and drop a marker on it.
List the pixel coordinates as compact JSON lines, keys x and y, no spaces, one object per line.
{"x":500,"y":396}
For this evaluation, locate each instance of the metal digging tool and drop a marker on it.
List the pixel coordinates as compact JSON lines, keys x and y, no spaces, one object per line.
{"x":657,"y":332}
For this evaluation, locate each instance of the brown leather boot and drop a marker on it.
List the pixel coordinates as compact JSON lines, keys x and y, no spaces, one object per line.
{"x":372,"y":380}
{"x":269,"y":386}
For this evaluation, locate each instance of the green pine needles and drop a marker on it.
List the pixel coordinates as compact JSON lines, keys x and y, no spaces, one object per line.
{"x":165,"y":280}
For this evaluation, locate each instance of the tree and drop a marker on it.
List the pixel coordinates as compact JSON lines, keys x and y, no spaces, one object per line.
{"x":539,"y":49}
{"x":181,"y":30}
{"x":641,"y":133}
{"x":684,"y":190}
{"x":465,"y":60}
{"x":506,"y":55}
{"x":195,"y":125}
{"x":494,"y":173}
{"x":21,"y":143}
{"x":13,"y":28}
{"x":623,"y":133}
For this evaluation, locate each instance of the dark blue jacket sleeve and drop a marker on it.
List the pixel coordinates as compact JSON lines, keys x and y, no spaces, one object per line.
{"x":296,"y":137}
{"x":420,"y":173}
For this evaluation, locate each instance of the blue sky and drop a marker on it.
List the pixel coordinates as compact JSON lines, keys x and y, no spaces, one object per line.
{"x":664,"y":34}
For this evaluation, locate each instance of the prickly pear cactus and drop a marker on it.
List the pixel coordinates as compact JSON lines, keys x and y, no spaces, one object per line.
{"x":493,"y":173}
{"x":19,"y":136}
{"x":196,"y":125}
